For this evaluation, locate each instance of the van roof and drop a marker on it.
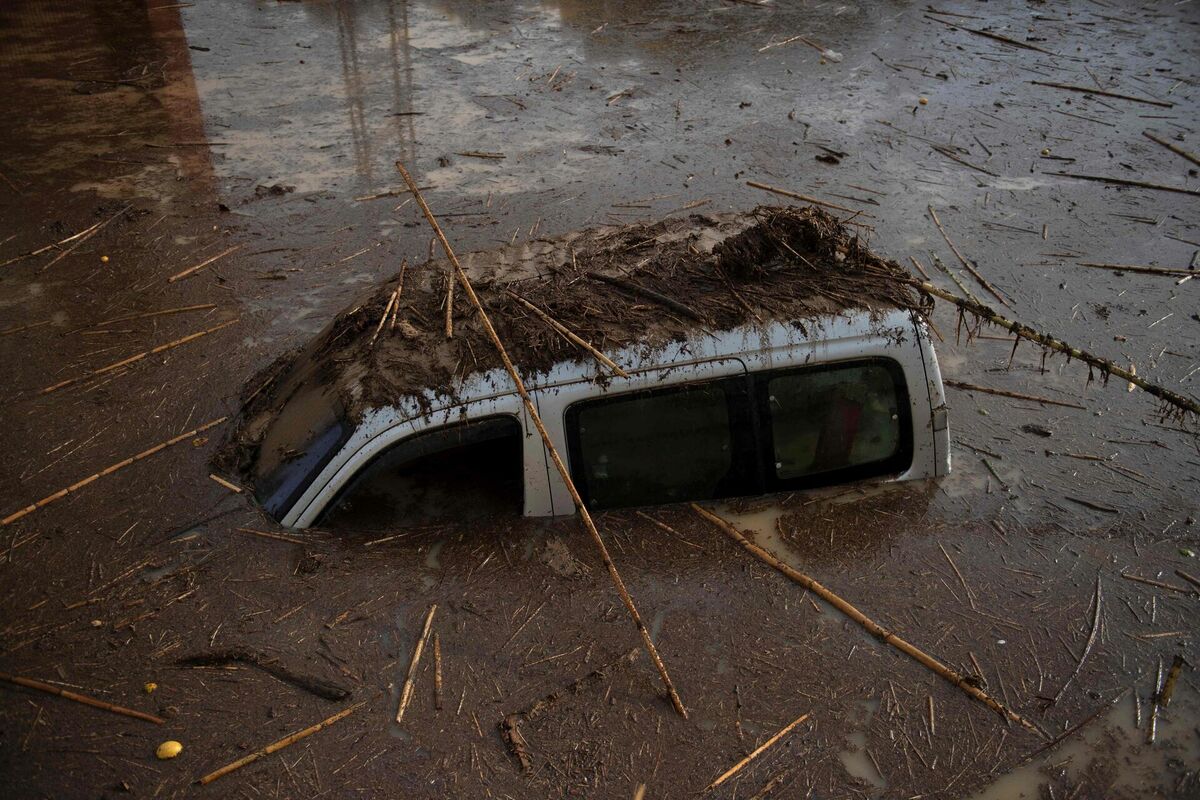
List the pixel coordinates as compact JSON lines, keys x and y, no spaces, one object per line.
{"x":648,"y":284}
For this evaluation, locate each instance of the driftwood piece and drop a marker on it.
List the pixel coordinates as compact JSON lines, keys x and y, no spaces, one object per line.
{"x":279,"y":745}
{"x":1126,"y":182}
{"x":584,"y":515}
{"x":510,"y":726}
{"x":48,"y":688}
{"x":1046,"y":340}
{"x":875,"y":629}
{"x":1102,"y":93}
{"x":318,"y":686}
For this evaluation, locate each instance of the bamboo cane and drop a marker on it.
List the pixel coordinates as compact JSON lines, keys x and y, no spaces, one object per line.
{"x":61,"y":493}
{"x":30,"y":683}
{"x":282,"y":743}
{"x":410,"y":676}
{"x":1174,"y":148}
{"x":736,"y":768}
{"x":570,"y":335}
{"x":1048,"y":341}
{"x":181,"y":275}
{"x":135,"y":358}
{"x":962,"y":259}
{"x":872,"y":627}
{"x":559,"y":464}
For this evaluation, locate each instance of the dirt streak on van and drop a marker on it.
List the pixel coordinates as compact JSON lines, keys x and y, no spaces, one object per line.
{"x":765,"y":351}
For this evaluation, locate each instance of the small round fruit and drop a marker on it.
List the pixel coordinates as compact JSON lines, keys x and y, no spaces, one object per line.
{"x":168,"y":749}
{"x":103,"y":259}
{"x":150,"y":687}
{"x":923,"y":101}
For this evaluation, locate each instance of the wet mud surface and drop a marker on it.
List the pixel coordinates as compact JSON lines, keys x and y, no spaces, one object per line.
{"x":262,"y":137}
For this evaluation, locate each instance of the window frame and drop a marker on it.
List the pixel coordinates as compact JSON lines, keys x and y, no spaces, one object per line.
{"x":359,"y":475}
{"x":752,"y":432}
{"x":897,"y":463}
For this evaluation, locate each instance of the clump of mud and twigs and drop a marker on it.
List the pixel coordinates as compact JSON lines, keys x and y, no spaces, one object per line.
{"x":643,"y":285}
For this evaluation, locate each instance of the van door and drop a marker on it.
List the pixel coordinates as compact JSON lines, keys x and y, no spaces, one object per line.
{"x":684,"y":432}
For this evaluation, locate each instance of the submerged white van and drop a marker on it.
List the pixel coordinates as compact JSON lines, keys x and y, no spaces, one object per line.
{"x":769,"y":405}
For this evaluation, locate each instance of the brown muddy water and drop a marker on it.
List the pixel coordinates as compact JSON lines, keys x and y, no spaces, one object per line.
{"x":188,"y":130}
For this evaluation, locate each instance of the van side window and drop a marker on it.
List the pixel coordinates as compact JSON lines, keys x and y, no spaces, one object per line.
{"x":663,"y":446}
{"x":469,"y":470}
{"x":841,"y":422}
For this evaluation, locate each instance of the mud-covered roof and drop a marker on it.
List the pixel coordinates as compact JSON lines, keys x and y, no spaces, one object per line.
{"x":648,"y":284}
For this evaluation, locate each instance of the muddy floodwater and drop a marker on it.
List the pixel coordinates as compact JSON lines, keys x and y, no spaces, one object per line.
{"x":188,"y":191}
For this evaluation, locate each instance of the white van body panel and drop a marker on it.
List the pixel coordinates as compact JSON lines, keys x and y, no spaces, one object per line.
{"x":897,"y":335}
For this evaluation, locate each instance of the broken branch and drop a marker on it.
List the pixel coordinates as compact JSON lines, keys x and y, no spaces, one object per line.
{"x":757,"y":752}
{"x":569,"y":335}
{"x":406,"y":693}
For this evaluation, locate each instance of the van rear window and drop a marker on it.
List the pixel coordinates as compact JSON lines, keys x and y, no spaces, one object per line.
{"x":843,"y":422}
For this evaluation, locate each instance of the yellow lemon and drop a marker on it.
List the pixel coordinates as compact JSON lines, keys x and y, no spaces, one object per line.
{"x":168,"y":749}
{"x":150,"y":687}
{"x":103,"y":259}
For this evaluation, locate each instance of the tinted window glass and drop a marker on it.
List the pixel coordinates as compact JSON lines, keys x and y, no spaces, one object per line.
{"x":471,"y":470}
{"x":835,"y":420}
{"x":662,"y":446}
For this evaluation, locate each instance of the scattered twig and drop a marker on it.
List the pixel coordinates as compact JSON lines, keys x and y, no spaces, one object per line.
{"x":1057,"y":740}
{"x":61,"y":493}
{"x":1102,"y":93}
{"x":879,"y":632}
{"x":406,"y":692}
{"x":181,"y":275}
{"x":437,"y":671}
{"x":233,"y":487}
{"x":279,"y":745}
{"x":994,"y":36}
{"x":559,"y":464}
{"x":79,"y":238}
{"x":970,"y":387}
{"x":31,"y":683}
{"x":1155,"y":702}
{"x":83,"y":237}
{"x":736,"y":768}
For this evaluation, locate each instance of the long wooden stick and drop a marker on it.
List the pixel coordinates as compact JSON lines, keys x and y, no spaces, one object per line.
{"x":962,"y":259}
{"x":282,"y":743}
{"x":736,"y":768}
{"x":570,"y":335}
{"x":437,"y":671}
{"x":1089,"y":90}
{"x":559,"y":464}
{"x":1126,"y":182}
{"x":1050,"y":342}
{"x":31,"y":683}
{"x":970,"y":387}
{"x":181,"y":275}
{"x":1174,"y":148}
{"x":872,"y":627}
{"x":124,"y":362}
{"x":61,"y":493}
{"x":1138,"y":268}
{"x":85,"y":233}
{"x":410,"y":676}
